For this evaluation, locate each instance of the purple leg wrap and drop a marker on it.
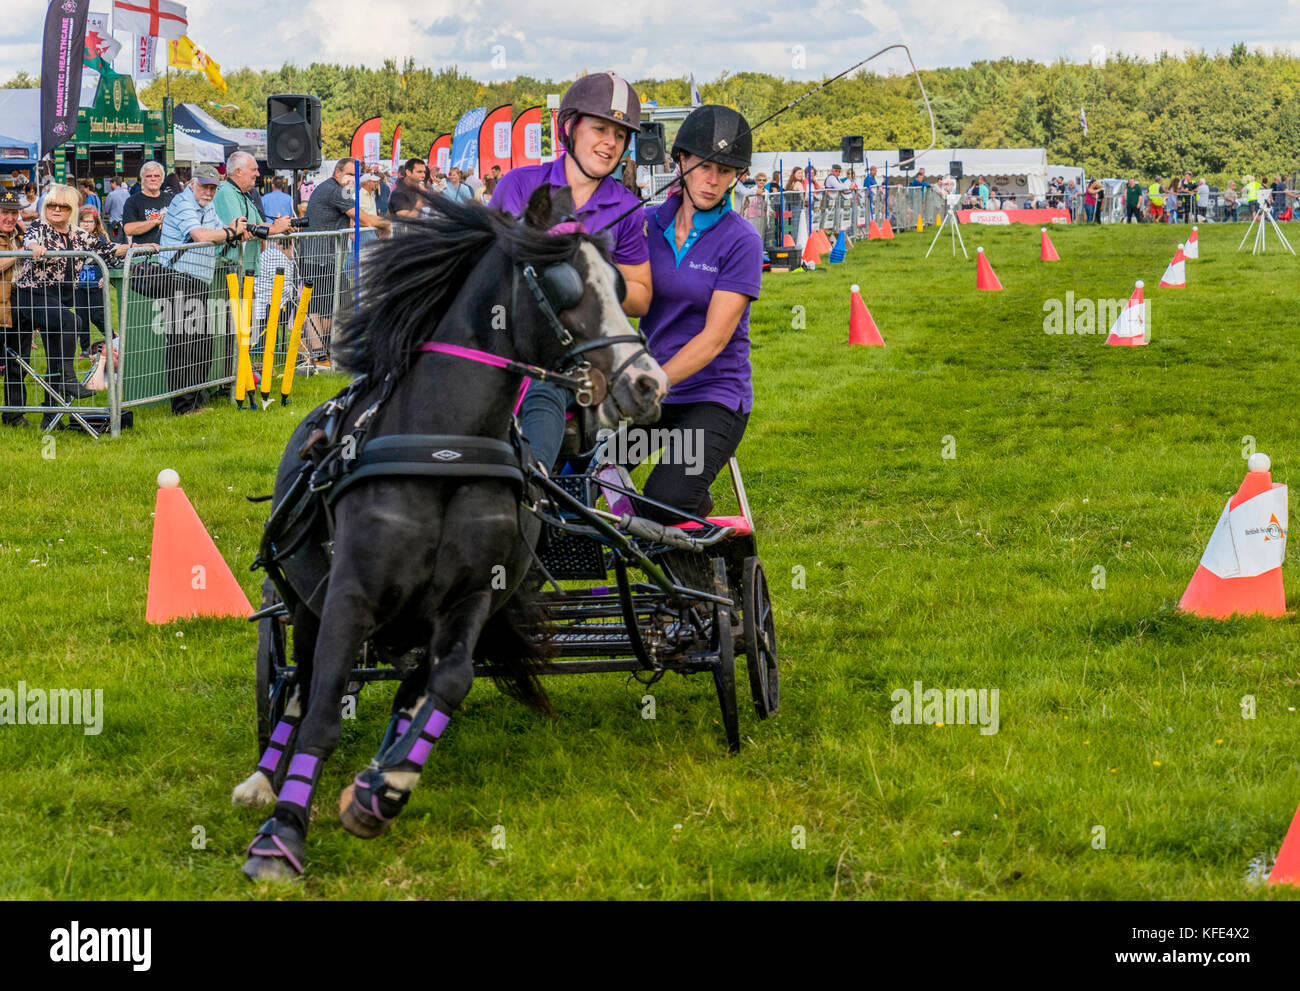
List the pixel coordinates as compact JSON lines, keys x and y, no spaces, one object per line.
{"x":301,"y":780}
{"x":402,"y":724}
{"x":432,"y":730}
{"x":270,"y":761}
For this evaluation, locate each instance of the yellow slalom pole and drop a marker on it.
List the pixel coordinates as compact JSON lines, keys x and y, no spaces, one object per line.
{"x":270,"y":335}
{"x":245,"y":341}
{"x":295,"y":339}
{"x":237,"y":312}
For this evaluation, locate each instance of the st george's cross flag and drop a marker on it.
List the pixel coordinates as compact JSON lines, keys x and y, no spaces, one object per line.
{"x":159,"y":18}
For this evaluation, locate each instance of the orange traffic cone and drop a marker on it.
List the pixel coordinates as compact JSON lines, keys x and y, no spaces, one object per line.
{"x":187,"y":574}
{"x":1047,"y":252}
{"x":824,"y":246}
{"x":1241,"y":569}
{"x":1130,"y":327}
{"x":1175,"y":276}
{"x":1192,"y":249}
{"x":862,"y":329}
{"x":874,"y":232}
{"x":789,"y":242}
{"x":886,"y":229}
{"x":1286,"y":869}
{"x":811,"y":253}
{"x":984,"y":277}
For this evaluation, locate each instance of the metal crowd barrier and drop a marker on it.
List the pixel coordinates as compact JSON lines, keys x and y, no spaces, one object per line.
{"x":171,"y":331}
{"x":834,"y":210}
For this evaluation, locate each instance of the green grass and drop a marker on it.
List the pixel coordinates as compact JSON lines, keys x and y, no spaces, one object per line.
{"x":968,"y":572}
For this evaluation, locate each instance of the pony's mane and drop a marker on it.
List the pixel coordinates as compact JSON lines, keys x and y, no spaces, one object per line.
{"x":409,"y":281}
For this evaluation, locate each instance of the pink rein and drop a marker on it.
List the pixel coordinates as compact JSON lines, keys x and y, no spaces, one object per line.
{"x":484,"y":357}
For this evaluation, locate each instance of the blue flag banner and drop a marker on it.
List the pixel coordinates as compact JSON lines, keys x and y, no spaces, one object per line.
{"x":464,"y":139}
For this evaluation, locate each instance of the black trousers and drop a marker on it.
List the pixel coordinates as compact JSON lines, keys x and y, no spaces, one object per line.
{"x":89,"y":300}
{"x":17,"y":337}
{"x":49,"y":310}
{"x":1132,"y":213}
{"x":702,"y":438}
{"x":188,"y":356}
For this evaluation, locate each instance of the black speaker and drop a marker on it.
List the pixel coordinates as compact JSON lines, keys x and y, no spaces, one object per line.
{"x":293,"y":131}
{"x":906,"y":158}
{"x":954,"y":170}
{"x":650,"y":144}
{"x":851,"y":149}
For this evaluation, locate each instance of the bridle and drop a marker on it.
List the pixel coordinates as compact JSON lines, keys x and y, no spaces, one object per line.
{"x":558,"y":288}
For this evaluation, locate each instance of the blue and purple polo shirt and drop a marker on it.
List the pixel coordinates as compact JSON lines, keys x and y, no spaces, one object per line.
{"x":610,"y":199}
{"x":723,"y":251}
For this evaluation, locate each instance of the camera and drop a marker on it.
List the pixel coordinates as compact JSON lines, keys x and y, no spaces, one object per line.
{"x":260,"y":231}
{"x":298,"y":223}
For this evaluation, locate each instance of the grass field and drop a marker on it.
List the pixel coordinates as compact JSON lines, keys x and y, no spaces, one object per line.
{"x":971,"y":571}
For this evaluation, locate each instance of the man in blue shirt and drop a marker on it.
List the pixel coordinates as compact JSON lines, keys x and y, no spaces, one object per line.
{"x":278,"y":203}
{"x":457,"y":190}
{"x":192,"y":220}
{"x":113,"y":203}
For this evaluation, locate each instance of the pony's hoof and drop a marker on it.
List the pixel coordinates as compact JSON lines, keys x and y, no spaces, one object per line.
{"x":254,"y":792}
{"x":275,"y":869}
{"x":357,"y":820}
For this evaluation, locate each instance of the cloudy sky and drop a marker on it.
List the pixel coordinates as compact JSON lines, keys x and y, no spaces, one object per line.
{"x":668,"y":38}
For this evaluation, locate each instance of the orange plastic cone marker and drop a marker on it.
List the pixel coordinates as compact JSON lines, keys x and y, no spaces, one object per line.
{"x":823,"y":243}
{"x":886,"y":229}
{"x":1175,"y":276}
{"x":789,"y":242}
{"x":1241,"y":569}
{"x":1047,"y":253}
{"x":1286,"y":869}
{"x":862,"y":329}
{"x":187,"y":574}
{"x":810,"y":252}
{"x":1192,"y":249}
{"x":873,"y":231}
{"x":984,"y":277}
{"x":1130,"y":327}
{"x":920,"y":224}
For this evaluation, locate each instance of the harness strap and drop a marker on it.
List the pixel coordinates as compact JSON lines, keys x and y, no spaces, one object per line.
{"x":509,"y":364}
{"x":433,"y":456}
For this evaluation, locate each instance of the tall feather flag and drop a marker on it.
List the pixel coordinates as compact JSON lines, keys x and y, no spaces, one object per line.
{"x":184,"y":54}
{"x":1083,"y":121}
{"x":144,"y":52}
{"x":695,"y":93}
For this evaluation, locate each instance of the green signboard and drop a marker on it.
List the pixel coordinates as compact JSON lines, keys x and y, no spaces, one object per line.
{"x":83,"y":151}
{"x":116,"y":118}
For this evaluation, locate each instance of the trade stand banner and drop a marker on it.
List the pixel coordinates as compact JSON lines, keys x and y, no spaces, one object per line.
{"x":61,"y":58}
{"x":526,"y":138}
{"x":440,"y":153}
{"x":494,"y":145}
{"x":1005,"y":218}
{"x":365,"y":141}
{"x":464,"y":139}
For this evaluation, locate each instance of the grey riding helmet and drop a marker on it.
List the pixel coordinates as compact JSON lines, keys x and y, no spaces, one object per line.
{"x":603,"y":95}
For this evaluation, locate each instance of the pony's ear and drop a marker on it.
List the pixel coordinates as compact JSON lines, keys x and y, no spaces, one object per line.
{"x":538,"y":212}
{"x":562,"y":207}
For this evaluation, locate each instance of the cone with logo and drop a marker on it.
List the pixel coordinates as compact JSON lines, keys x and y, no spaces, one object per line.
{"x":1175,"y":276}
{"x":1047,"y":251}
{"x":1192,"y":249}
{"x":1241,"y":569}
{"x":187,"y":574}
{"x":840,"y":250}
{"x":1286,"y":869}
{"x":984,"y":277}
{"x":862,"y":329}
{"x":1130,"y":327}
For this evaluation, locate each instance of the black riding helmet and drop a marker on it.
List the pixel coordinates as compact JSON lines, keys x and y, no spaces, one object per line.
{"x":717,"y":133}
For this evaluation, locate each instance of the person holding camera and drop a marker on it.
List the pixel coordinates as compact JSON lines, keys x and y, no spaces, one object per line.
{"x":192,"y":218}
{"x":233,"y":200}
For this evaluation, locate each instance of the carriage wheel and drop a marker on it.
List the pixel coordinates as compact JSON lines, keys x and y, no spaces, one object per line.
{"x":271,"y":689}
{"x":724,"y":666}
{"x":759,"y":638}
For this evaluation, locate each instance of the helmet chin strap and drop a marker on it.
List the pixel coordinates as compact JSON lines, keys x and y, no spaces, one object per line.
{"x":567,"y":141}
{"x":681,"y":181}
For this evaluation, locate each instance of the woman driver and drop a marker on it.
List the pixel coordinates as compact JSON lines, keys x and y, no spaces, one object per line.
{"x":707,"y":263}
{"x":597,"y":117}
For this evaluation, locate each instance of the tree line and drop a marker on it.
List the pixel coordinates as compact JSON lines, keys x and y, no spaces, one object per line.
{"x":1216,"y":115}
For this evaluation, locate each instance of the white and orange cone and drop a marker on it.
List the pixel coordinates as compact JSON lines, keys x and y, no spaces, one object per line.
{"x":862,"y":328}
{"x":1241,"y":569}
{"x":985,"y":278}
{"x":1192,"y":249}
{"x":1130,"y":327}
{"x":1175,"y":276}
{"x":1047,"y":250}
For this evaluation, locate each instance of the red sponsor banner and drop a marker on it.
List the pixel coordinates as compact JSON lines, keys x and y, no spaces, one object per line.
{"x":526,"y":138}
{"x":440,"y":153}
{"x":397,"y":150}
{"x":365,"y":141}
{"x":1005,"y":218}
{"x":494,"y":140}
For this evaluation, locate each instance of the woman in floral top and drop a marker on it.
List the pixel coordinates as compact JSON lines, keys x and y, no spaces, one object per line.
{"x":45,"y":289}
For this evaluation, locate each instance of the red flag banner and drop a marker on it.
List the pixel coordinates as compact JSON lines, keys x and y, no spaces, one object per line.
{"x":365,"y":141}
{"x":440,"y":153}
{"x":494,"y":140}
{"x":526,"y":138}
{"x":397,"y":150}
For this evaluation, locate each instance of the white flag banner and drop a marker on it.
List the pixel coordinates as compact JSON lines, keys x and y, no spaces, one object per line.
{"x":99,"y":39}
{"x":1251,"y":539}
{"x":158,"y":18}
{"x":142,"y":65}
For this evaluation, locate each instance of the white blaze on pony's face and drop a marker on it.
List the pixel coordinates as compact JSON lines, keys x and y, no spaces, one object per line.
{"x":641,"y":385}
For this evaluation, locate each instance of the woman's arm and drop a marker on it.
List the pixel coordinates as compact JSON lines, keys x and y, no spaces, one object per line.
{"x":639,"y":291}
{"x":725,"y":309}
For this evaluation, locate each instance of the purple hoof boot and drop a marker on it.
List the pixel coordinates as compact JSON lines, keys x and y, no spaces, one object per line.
{"x":277,"y":853}
{"x":368,"y":806}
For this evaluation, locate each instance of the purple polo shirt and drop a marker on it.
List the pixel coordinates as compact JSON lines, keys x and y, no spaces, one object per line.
{"x":610,"y":199}
{"x":727,"y":255}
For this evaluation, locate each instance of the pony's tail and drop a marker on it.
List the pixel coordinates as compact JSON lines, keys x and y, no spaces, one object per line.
{"x":514,"y":641}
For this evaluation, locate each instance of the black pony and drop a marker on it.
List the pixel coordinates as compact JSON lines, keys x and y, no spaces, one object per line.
{"x":429,"y":562}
